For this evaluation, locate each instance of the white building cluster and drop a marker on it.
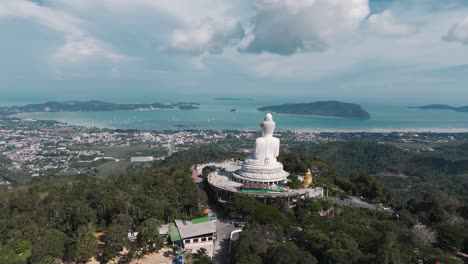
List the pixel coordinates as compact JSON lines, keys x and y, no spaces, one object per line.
{"x":43,"y":147}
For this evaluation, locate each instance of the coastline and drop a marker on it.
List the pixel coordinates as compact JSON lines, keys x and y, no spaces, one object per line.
{"x":321,"y":116}
{"x":384,"y":130}
{"x":132,"y":110}
{"x":217,"y":119}
{"x":295,"y":130}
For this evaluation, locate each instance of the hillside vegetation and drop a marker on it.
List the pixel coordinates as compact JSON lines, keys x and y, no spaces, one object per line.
{"x":407,"y":172}
{"x":53,"y":219}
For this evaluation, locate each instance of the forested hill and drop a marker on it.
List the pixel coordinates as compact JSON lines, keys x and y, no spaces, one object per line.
{"x":442,"y":107}
{"x":56,"y":219}
{"x":323,"y":108}
{"x":90,"y":106}
{"x":406,"y":172}
{"x":362,"y":156}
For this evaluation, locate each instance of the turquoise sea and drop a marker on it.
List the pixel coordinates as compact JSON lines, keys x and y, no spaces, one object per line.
{"x":215,"y":114}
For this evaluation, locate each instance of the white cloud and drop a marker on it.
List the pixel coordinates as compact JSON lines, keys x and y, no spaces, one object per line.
{"x":208,"y":37}
{"x":53,"y":19}
{"x":78,"y":49}
{"x":202,"y":26}
{"x":312,"y":66}
{"x":78,"y":44}
{"x":186,"y":12}
{"x":293,"y":6}
{"x":458,"y":32}
{"x":356,"y":51}
{"x":385,"y":24}
{"x":286,"y":27}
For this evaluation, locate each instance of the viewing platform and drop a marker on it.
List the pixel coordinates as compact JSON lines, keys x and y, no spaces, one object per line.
{"x":224,"y":182}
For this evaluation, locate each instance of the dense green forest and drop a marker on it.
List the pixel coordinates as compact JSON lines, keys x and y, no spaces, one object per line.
{"x":351,"y":235}
{"x":11,"y":176}
{"x":408,"y":172}
{"x":55,"y":218}
{"x":431,"y":228}
{"x":4,"y":173}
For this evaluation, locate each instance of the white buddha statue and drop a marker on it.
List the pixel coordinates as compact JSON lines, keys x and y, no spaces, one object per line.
{"x":266,"y":148}
{"x":262,"y":165}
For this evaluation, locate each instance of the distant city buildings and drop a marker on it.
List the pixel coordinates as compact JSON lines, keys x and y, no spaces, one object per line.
{"x":38,"y":148}
{"x":48,"y":147}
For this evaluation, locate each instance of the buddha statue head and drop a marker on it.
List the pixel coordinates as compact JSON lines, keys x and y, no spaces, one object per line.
{"x":268,"y":125}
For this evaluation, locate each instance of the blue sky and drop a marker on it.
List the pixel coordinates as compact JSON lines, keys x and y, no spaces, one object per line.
{"x":153,"y":50}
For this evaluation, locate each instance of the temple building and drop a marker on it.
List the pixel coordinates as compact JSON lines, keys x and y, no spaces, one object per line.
{"x":261,"y":175}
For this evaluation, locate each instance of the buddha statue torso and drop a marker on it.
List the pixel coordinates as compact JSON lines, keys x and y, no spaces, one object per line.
{"x":266,"y":148}
{"x":265,"y":152}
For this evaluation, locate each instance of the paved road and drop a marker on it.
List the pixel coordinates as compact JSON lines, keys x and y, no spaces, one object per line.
{"x":223,"y":232}
{"x":356,"y":202}
{"x":171,"y":146}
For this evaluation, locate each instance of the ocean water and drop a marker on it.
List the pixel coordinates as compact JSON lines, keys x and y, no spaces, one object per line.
{"x":215,"y":114}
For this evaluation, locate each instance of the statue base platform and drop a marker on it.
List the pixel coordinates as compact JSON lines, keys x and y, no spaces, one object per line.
{"x":269,"y":174}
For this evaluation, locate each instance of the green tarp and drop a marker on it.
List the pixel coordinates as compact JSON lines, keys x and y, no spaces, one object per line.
{"x":173,"y":232}
{"x":200,"y":220}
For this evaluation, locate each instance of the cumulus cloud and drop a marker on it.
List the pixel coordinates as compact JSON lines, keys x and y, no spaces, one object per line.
{"x":458,"y":32}
{"x":78,"y":44}
{"x":385,"y":24}
{"x":77,"y":49}
{"x":287,"y":26}
{"x":53,"y":19}
{"x":293,"y":6}
{"x":185,"y":11}
{"x":209,"y":36}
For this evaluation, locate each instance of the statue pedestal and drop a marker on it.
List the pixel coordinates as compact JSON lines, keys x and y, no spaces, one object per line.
{"x":268,"y":174}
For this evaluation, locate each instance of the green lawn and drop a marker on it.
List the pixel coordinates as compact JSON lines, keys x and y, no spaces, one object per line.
{"x":111,"y":168}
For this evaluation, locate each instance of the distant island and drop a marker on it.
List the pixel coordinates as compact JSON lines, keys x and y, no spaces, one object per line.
{"x":323,"y":108}
{"x":91,"y":106}
{"x":463,"y":109}
{"x":233,"y":99}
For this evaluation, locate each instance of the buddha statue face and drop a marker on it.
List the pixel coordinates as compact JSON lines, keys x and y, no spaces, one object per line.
{"x":268,"y":125}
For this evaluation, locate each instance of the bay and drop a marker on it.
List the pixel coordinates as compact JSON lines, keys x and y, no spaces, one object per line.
{"x":216,"y":115}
